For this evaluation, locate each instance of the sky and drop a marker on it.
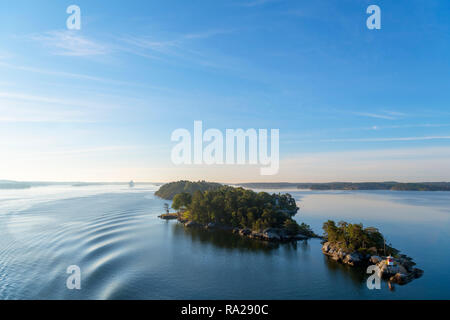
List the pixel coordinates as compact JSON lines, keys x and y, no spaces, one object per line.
{"x":101,"y":103}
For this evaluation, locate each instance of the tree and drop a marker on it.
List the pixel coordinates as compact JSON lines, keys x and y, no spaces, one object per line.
{"x":330,"y":231}
{"x":291,"y":227}
{"x":181,"y":201}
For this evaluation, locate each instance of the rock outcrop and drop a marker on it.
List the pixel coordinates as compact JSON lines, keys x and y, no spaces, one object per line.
{"x":191,"y":224}
{"x":338,"y":254}
{"x":401,"y":271}
{"x":270,"y":234}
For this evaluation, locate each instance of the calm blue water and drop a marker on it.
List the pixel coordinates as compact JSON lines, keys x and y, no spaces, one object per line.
{"x":125,"y":252}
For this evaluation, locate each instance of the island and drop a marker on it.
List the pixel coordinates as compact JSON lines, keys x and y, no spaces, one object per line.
{"x":366,"y":186}
{"x":8,"y":184}
{"x":354,"y":245}
{"x":259,"y":216}
{"x":169,"y":190}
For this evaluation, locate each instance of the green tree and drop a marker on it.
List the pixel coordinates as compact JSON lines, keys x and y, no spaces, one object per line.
{"x":291,"y":227}
{"x":181,"y":201}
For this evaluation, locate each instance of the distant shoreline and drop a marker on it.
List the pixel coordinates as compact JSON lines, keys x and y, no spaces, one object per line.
{"x":353,"y":186}
{"x":325,"y":186}
{"x":17,"y":185}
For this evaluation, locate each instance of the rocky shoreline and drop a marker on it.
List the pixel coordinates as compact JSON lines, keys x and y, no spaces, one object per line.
{"x":270,"y":234}
{"x":169,"y":216}
{"x":400,"y":272}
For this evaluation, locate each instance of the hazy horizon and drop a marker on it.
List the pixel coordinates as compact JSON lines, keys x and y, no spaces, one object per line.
{"x":222,"y":182}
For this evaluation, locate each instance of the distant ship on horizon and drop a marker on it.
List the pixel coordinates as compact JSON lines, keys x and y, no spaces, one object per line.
{"x":131,"y":184}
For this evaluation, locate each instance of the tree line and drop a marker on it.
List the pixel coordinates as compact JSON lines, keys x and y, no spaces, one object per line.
{"x":240,"y":208}
{"x":169,"y":190}
{"x":355,"y":237}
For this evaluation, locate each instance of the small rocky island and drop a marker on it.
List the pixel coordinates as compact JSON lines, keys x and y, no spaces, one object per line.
{"x":354,"y":245}
{"x":259,"y":216}
{"x":169,"y":216}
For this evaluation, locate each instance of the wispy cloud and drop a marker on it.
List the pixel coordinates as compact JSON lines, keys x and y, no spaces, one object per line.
{"x":400,"y":126}
{"x":394,"y":113}
{"x":376,"y":115}
{"x":388,"y":139}
{"x":26,"y":97}
{"x":180,"y":48}
{"x":143,"y":42}
{"x":46,"y":100}
{"x":256,"y":3}
{"x":408,"y":126}
{"x":68,"y":43}
{"x":53,"y":73}
{"x":78,"y":76}
{"x":207,"y":34}
{"x":173,"y":49}
{"x":167,"y":46}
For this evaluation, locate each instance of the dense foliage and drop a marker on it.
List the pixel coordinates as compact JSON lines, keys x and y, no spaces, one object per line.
{"x":181,"y":201}
{"x":238,"y":207}
{"x":169,"y":190}
{"x":355,"y":237}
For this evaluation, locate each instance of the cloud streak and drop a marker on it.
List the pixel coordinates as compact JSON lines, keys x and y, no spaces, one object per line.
{"x":390,"y":139}
{"x":256,"y":3}
{"x":69,"y":43}
{"x":376,"y":116}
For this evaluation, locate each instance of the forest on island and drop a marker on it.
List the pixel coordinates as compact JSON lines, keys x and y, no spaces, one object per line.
{"x":169,"y":190}
{"x":354,"y":237}
{"x":241,"y":208}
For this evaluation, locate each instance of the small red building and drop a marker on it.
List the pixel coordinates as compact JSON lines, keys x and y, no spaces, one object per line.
{"x":390,"y":261}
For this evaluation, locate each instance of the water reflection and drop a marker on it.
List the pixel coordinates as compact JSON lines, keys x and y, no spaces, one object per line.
{"x":356,"y":275}
{"x":228,"y":240}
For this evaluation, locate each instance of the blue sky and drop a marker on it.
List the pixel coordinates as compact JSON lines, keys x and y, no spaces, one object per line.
{"x":100,"y":104}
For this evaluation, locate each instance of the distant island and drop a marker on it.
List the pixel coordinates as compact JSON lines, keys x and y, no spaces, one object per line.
{"x":169,"y":190}
{"x":261,"y":216}
{"x":7,"y":184}
{"x":389,"y":185}
{"x":355,"y":245}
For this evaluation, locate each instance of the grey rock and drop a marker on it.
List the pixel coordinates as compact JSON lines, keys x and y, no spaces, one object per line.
{"x":191,"y":224}
{"x":375,"y":259}
{"x":245,"y":232}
